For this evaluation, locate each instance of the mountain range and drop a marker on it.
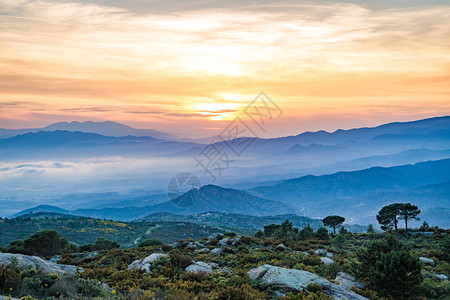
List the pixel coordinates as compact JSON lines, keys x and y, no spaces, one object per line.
{"x":349,"y":172}
{"x":107,"y":128}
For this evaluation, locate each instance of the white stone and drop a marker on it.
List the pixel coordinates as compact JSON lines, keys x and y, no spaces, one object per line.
{"x":326,"y":260}
{"x":426,"y":261}
{"x":284,"y":280}
{"x":27,"y":261}
{"x":146,"y":263}
{"x":441,"y":276}
{"x":199,"y":266}
{"x":347,"y":281}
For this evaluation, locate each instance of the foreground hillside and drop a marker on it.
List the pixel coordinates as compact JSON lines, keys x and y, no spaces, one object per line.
{"x":274,"y":264}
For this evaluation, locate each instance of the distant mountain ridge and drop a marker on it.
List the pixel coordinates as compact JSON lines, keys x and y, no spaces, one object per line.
{"x":106,"y":128}
{"x":209,"y":198}
{"x":360,"y":194}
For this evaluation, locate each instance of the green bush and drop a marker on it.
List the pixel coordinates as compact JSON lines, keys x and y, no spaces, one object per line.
{"x":150,"y":242}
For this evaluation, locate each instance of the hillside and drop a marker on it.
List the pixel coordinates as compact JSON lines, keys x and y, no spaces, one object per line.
{"x":208,"y":198}
{"x":358,"y":195}
{"x":245,"y":221}
{"x":83,"y":230}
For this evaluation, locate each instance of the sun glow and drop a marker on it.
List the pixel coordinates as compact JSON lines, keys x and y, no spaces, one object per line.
{"x":217,"y":111}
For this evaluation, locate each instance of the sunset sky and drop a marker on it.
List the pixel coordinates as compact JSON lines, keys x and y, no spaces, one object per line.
{"x":189,"y":67}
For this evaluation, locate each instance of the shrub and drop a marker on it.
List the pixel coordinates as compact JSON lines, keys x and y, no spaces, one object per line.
{"x":229,"y":234}
{"x":179,"y":260}
{"x":305,"y":234}
{"x":45,"y":243}
{"x":389,"y":269}
{"x":322,"y":233}
{"x":150,"y":242}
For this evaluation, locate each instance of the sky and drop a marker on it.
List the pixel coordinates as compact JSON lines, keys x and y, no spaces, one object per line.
{"x":191,"y":67}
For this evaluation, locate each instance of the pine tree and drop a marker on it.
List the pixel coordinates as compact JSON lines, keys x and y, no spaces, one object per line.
{"x":397,"y":274}
{"x":333,"y":221}
{"x":408,"y":212}
{"x":388,"y":217}
{"x":388,"y":268}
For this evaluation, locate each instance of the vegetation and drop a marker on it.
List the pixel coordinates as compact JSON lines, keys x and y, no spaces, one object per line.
{"x":333,"y":221}
{"x":81,"y":230}
{"x":389,"y":215}
{"x":388,"y":266}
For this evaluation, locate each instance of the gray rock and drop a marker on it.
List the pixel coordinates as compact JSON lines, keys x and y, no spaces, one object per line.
{"x":146,"y":263}
{"x":224,"y":242}
{"x":441,"y":276}
{"x":213,"y":236}
{"x":326,"y":260}
{"x":92,"y":254}
{"x":56,"y":258}
{"x":28,"y":262}
{"x":213,"y":265}
{"x":199,"y":266}
{"x":7,"y":298}
{"x":256,"y":273}
{"x":203,"y":250}
{"x":347,"y":281}
{"x":195,"y":245}
{"x":329,"y":255}
{"x":174,"y":245}
{"x":282,"y":246}
{"x":321,"y":252}
{"x":284,"y":280}
{"x":217,"y":251}
{"x":426,"y":261}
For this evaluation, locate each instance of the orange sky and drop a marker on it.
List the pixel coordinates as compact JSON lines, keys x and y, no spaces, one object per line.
{"x":327,"y":66}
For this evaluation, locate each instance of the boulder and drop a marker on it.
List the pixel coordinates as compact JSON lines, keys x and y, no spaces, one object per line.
{"x":326,"y":260}
{"x":56,"y":258}
{"x":199,"y":266}
{"x":441,"y":276}
{"x":203,"y":250}
{"x":281,"y":247}
{"x":92,"y":254}
{"x":224,"y":242}
{"x":28,"y":262}
{"x":7,"y":298}
{"x":258,"y":272}
{"x":321,"y":252}
{"x":329,"y":255}
{"x":213,"y":265}
{"x":426,"y":261}
{"x":195,"y":245}
{"x":217,"y":251}
{"x":347,"y":281}
{"x":146,"y":263}
{"x":285,"y":280}
{"x":213,"y":236}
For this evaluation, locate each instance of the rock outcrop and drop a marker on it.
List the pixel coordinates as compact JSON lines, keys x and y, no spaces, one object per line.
{"x":27,"y":262}
{"x":347,"y":281}
{"x":441,"y":276}
{"x":284,"y":280}
{"x":146,"y":263}
{"x":199,"y":266}
{"x":426,"y":261}
{"x":326,"y":260}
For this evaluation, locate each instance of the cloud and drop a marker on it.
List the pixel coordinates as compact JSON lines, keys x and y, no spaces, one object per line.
{"x":97,"y":61}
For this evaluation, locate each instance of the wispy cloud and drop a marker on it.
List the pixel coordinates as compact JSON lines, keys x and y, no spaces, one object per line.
{"x":75,"y":57}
